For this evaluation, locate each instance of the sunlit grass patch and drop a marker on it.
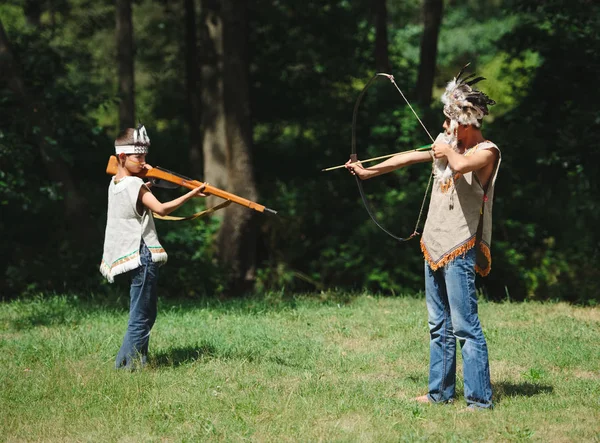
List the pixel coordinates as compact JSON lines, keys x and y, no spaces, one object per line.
{"x":316,"y":368}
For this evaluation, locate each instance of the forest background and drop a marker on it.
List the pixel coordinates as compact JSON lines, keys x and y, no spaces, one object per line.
{"x":256,"y":98}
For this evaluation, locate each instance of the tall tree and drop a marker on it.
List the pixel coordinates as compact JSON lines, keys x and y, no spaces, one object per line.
{"x":382,"y":59}
{"x":125,"y":52}
{"x":58,"y":170}
{"x":193,"y":86}
{"x":432,"y":18}
{"x":237,"y":236}
{"x":33,"y":12}
{"x":213,"y":111}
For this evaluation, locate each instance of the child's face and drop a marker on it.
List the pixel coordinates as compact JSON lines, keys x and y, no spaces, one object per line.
{"x":135,"y":162}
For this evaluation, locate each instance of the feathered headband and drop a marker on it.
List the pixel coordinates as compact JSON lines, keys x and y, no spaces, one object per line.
{"x":136,"y":143}
{"x":463,"y":103}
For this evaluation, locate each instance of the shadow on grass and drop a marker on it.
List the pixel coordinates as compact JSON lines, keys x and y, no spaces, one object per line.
{"x":54,"y":310}
{"x":174,"y":357}
{"x":71,"y":309}
{"x":179,"y":356}
{"x":507,"y":389}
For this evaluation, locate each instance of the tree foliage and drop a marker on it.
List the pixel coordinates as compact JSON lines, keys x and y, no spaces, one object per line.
{"x":308,"y":62}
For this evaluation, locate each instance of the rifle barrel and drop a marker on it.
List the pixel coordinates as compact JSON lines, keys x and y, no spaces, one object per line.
{"x":189,"y":183}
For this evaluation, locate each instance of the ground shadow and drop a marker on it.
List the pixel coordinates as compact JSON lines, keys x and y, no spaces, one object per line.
{"x":178,"y":356}
{"x":526,"y":389}
{"x":70,"y":309}
{"x":174,"y":357}
{"x":55,"y":310}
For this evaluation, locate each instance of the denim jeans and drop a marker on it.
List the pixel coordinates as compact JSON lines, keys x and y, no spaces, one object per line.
{"x":142,"y":312}
{"x":452,"y":310}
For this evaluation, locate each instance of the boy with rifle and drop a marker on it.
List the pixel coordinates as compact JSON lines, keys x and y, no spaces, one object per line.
{"x":131,"y":243}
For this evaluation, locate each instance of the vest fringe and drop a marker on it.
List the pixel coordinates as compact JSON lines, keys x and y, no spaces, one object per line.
{"x":131,"y":262}
{"x":461,"y":250}
{"x":121,"y":266}
{"x":159,"y":256}
{"x":448,"y":257}
{"x":486,"y":251}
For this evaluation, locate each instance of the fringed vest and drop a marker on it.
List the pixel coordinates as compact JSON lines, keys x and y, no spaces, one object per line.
{"x":460,"y":217}
{"x":125,"y":228}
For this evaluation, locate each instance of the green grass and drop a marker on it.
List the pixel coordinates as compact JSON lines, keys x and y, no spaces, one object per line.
{"x":314,"y":368}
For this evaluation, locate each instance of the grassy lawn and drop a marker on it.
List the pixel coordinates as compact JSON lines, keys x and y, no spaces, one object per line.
{"x":312,"y":368}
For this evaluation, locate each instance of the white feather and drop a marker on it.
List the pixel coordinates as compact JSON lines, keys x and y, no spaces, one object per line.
{"x":441,"y":169}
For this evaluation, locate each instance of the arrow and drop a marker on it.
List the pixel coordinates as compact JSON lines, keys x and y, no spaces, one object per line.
{"x":419,"y":149}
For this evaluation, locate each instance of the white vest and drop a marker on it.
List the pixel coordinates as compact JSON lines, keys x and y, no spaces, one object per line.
{"x":125,"y":228}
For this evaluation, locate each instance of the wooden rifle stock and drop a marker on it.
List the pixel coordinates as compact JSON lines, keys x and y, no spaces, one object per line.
{"x":172,"y":177}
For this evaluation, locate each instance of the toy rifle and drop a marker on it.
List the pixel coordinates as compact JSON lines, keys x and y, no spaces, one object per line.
{"x":158,"y":173}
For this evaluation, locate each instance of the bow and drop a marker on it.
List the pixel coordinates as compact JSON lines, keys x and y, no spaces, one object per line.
{"x":354,"y":157}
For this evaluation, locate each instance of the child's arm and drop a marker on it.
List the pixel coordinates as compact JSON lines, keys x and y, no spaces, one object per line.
{"x":463,"y":164}
{"x":151,"y":202}
{"x":389,"y":165}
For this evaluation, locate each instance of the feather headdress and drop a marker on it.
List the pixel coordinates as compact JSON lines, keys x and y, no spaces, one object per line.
{"x":463,"y":103}
{"x":133,"y":141}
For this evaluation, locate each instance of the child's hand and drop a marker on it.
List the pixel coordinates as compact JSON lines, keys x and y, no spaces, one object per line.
{"x":441,"y":150}
{"x":357,"y":169}
{"x":148,"y":167}
{"x":199,"y":191}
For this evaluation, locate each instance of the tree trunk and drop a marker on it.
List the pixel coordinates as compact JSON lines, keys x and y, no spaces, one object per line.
{"x":237,"y":236}
{"x":192,"y":72}
{"x":33,"y":12}
{"x":58,"y":170}
{"x":382,"y":59}
{"x":213,"y":111}
{"x":432,"y":18}
{"x":125,"y":64}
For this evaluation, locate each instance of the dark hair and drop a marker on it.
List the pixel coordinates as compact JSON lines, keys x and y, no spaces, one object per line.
{"x":125,"y":137}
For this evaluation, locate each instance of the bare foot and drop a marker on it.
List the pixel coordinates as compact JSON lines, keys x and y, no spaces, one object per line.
{"x":423,"y":399}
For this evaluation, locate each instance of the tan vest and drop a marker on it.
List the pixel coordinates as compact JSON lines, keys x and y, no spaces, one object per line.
{"x":455,"y":216}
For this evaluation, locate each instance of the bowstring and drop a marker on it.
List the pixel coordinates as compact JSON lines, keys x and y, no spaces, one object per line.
{"x":391,"y":77}
{"x":415,"y":232}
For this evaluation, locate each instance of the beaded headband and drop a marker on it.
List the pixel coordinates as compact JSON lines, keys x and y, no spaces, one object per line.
{"x":137,"y":143}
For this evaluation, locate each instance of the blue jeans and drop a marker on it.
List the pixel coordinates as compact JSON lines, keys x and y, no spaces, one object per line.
{"x":452,"y":309}
{"x":142,"y":312}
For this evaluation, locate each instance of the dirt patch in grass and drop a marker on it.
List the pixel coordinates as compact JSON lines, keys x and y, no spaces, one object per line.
{"x":587,"y":314}
{"x":352,"y":423}
{"x":566,"y":310}
{"x":556,"y":431}
{"x":587,"y":375}
{"x":506,"y":370}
